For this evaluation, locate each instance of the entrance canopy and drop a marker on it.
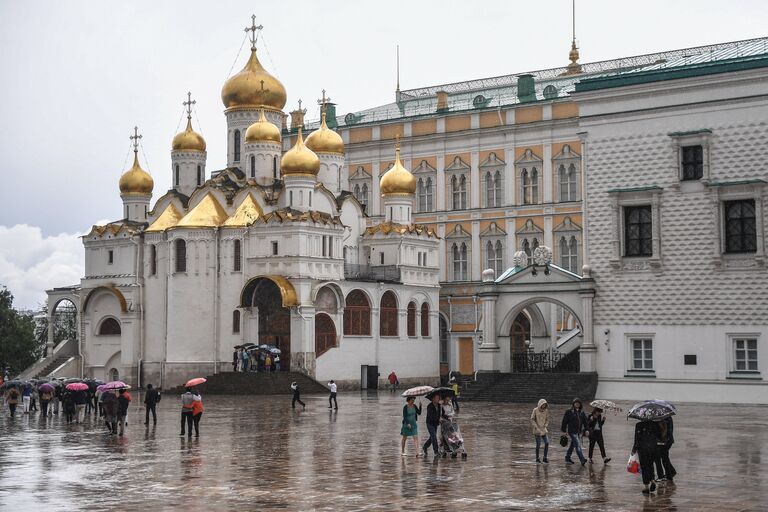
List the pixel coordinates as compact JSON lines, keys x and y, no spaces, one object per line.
{"x":287,"y":291}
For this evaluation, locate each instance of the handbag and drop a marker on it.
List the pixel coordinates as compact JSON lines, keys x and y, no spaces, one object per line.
{"x":633,"y":464}
{"x":563,"y":440}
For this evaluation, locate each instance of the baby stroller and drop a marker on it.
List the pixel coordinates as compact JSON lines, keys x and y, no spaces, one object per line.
{"x":451,"y":440}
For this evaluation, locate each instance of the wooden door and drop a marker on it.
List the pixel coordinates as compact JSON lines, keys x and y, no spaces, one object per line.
{"x":466,"y":356}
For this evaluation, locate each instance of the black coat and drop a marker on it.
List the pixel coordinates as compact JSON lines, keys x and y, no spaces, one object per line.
{"x":152,"y":397}
{"x":434,"y":414}
{"x":574,"y":422}
{"x":647,"y":436}
{"x":666,"y":431}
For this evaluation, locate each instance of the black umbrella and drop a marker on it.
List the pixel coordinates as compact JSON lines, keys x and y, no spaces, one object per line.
{"x":653,"y":410}
{"x":442,"y":392}
{"x":72,"y":380}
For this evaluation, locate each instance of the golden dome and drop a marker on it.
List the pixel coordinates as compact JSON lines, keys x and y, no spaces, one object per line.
{"x":253,"y":87}
{"x":136,"y":181}
{"x":263,"y":131}
{"x":398,"y":180}
{"x":188,"y":140}
{"x":300,"y":160}
{"x":325,"y":140}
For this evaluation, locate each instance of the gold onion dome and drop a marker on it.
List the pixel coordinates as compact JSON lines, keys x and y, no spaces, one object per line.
{"x":263,"y":131}
{"x":253,"y":87}
{"x":325,"y":140}
{"x":300,"y":160}
{"x":398,"y":180}
{"x":188,"y":140}
{"x":136,"y":181}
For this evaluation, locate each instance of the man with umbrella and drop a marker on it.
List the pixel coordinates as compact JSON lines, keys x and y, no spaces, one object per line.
{"x":434,"y":413}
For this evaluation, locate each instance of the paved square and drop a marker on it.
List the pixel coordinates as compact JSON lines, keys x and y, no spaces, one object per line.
{"x":255,"y":453}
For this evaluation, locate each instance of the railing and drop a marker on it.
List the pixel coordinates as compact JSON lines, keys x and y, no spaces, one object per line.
{"x":542,"y":362}
{"x":370,"y":273}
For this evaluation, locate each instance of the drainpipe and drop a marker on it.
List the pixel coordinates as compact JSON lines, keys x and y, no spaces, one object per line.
{"x":216,"y":302}
{"x":140,"y":284}
{"x":167,"y":298}
{"x":584,"y":218}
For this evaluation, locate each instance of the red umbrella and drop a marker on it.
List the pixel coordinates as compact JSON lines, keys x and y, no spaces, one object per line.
{"x":195,"y":382}
{"x":77,"y":386}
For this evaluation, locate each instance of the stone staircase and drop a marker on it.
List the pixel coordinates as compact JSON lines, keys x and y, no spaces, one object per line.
{"x":555,"y":387}
{"x":52,"y":365}
{"x":261,"y":383}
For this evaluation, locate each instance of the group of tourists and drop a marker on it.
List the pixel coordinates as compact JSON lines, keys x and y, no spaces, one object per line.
{"x":254,"y":360}
{"x":444,"y":436}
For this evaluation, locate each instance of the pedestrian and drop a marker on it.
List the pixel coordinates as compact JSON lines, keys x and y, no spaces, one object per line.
{"x":244,"y":360}
{"x":110,"y":406}
{"x":100,"y":402}
{"x":296,"y":396}
{"x":151,"y":399}
{"x":80,"y":398}
{"x":434,"y":413}
{"x":455,"y":397}
{"x":56,"y":399}
{"x":197,"y":413}
{"x":574,"y":425}
{"x":410,"y":427}
{"x":33,"y":401}
{"x":664,"y":468}
{"x":268,"y":363}
{"x":45,"y":398}
{"x":647,"y":437}
{"x":277,"y":362}
{"x":595,"y":424}
{"x":122,"y":410}
{"x":186,"y":411}
{"x":235,"y":358}
{"x":12,"y":399}
{"x":332,"y":396}
{"x":392,"y":381}
{"x":26,"y":398}
{"x":540,"y":426}
{"x":70,"y":408}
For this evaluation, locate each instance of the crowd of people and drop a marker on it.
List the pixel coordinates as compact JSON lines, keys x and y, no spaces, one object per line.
{"x":255,"y":360}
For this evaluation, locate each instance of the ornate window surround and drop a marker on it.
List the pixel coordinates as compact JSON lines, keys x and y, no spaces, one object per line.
{"x":567,"y":229}
{"x":494,"y":234}
{"x":528,"y":161}
{"x":361,"y":177}
{"x":640,"y":196}
{"x":458,"y":168}
{"x":566,"y":157}
{"x":492,"y":164}
{"x":530,"y":231}
{"x":720,"y":192}
{"x":458,"y":236}
{"x":424,"y":171}
{"x":691,"y":138}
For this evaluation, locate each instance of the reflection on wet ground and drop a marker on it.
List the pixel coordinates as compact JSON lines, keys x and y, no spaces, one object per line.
{"x":255,"y":453}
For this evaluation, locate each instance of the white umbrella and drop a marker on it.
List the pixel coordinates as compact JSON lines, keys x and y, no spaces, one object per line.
{"x":417,"y":391}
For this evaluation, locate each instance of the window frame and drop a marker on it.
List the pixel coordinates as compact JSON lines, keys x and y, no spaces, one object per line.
{"x":630,"y":343}
{"x":237,"y":255}
{"x":720,"y":194}
{"x":618,"y":200}
{"x":644,"y":227}
{"x":354,"y":315}
{"x":681,"y":140}
{"x":180,"y":263}
{"x":389,"y":323}
{"x":727,"y":235}
{"x":236,"y":321}
{"x":236,"y":149}
{"x":411,"y":312}
{"x":424,"y":320}
{"x":733,"y":371}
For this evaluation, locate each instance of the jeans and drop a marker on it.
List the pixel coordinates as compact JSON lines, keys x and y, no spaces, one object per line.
{"x":539,"y":439}
{"x":332,"y":397}
{"x":596,"y":437}
{"x":151,"y":407}
{"x":80,"y":413}
{"x":44,"y":408}
{"x":297,"y":399}
{"x":196,"y":421}
{"x":575,"y":444}
{"x":664,"y":467}
{"x":186,"y":416}
{"x":432,"y":429}
{"x":455,"y":403}
{"x":120,"y":424}
{"x":55,"y":405}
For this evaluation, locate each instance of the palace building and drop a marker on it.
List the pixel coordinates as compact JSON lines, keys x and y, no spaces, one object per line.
{"x":604,"y":217}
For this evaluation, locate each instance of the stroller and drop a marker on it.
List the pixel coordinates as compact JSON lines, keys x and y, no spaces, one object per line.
{"x":451,"y":440}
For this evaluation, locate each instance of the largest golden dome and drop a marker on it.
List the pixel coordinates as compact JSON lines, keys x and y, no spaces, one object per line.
{"x":262,"y":131}
{"x":398,"y":180}
{"x":253,"y":87}
{"x":325,"y":140}
{"x":188,"y":140}
{"x":300,"y":160}
{"x":136,"y":181}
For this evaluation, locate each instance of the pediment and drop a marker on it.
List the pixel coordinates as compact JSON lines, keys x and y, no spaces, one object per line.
{"x":529,"y":228}
{"x":458,"y":232}
{"x":360,"y":173}
{"x":524,"y":275}
{"x":493,"y":230}
{"x":567,"y":225}
{"x":423,"y":168}
{"x":528,"y":157}
{"x":493,"y":161}
{"x":457,"y":165}
{"x":567,"y":153}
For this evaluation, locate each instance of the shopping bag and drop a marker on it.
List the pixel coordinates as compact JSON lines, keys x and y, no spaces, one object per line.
{"x":633,"y":464}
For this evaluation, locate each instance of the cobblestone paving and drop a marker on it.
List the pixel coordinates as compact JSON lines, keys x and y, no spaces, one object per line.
{"x":255,"y":453}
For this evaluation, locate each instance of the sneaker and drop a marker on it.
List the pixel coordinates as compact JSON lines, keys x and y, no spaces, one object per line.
{"x":584,"y":462}
{"x":546,"y":461}
{"x":590,"y":461}
{"x":653,"y":486}
{"x":568,"y":461}
{"x":606,"y":460}
{"x":538,"y":461}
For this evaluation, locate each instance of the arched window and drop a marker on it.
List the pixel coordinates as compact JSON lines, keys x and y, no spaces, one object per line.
{"x":525,"y":180}
{"x":569,"y":254}
{"x":534,"y":186}
{"x":181,"y":255}
{"x":421,"y":195}
{"x":425,"y":320}
{"x":567,"y":183}
{"x":152,"y":260}
{"x":356,"y":192}
{"x":114,"y":374}
{"x":364,"y":195}
{"x":237,"y":257}
{"x":455,"y":193}
{"x":176,"y":176}
{"x":388,"y":315}
{"x":459,"y":253}
{"x":490,"y":200}
{"x":274,"y":168}
{"x":357,"y":314}
{"x":236,"y":321}
{"x":325,"y":334}
{"x":494,"y":256}
{"x":236,"y":145}
{"x":497,"y":188}
{"x":199,"y":175}
{"x":527,"y":250}
{"x":411,"y":319}
{"x":109,"y":327}
{"x":428,"y":193}
{"x":253,"y":166}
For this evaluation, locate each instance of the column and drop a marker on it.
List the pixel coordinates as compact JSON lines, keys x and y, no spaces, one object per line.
{"x":588,"y":350}
{"x":474,"y":180}
{"x":49,"y":344}
{"x":547,"y":173}
{"x":489,"y":347}
{"x":477,"y":255}
{"x":375,"y":197}
{"x":440,"y":191}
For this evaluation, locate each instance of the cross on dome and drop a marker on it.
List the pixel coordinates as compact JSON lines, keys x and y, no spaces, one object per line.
{"x":188,"y":104}
{"x":135,"y":139}
{"x":253,"y":36}
{"x":323,"y":102}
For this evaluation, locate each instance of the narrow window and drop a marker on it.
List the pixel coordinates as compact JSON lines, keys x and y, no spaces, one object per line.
{"x":111,"y":257}
{"x":324,"y":244}
{"x":274,"y":168}
{"x":253,"y":166}
{"x":274,"y":248}
{"x":411,"y":319}
{"x":692,"y":162}
{"x":425,"y":320}
{"x":740,"y":226}
{"x":364,"y":195}
{"x":152,"y":260}
{"x":525,"y":179}
{"x":199,"y":175}
{"x":381,"y":257}
{"x":290,"y":198}
{"x":236,"y":321}
{"x":236,"y":145}
{"x":388,"y":315}
{"x":181,"y":255}
{"x":637,"y":231}
{"x":534,"y":186}
{"x":310,"y":199}
{"x":176,"y":176}
{"x":237,"y":263}
{"x":428,"y":188}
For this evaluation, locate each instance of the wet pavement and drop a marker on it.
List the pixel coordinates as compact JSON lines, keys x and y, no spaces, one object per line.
{"x":255,"y":453}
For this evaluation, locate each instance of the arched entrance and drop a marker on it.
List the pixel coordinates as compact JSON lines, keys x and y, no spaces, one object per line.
{"x":268,"y":298}
{"x":325,"y":334}
{"x":62,"y":323}
{"x":521,"y":331}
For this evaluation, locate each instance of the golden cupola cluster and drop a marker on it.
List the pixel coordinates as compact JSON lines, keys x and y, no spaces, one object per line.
{"x":325,"y":140}
{"x":253,"y":87}
{"x":136,"y":181}
{"x":300,"y":160}
{"x":188,"y":140}
{"x":398,"y":180}
{"x":262,"y":131}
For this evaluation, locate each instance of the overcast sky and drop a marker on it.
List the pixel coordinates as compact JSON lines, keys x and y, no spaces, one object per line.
{"x":77,"y":76}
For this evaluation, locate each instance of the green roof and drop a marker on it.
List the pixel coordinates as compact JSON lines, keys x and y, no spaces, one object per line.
{"x":753,"y":181}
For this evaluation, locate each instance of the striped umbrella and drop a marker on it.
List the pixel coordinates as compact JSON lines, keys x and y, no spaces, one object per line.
{"x":417,"y":391}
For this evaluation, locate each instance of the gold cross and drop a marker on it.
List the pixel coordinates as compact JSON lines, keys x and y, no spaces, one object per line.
{"x":252,"y":29}
{"x":323,"y":102}
{"x":135,"y":139}
{"x":188,"y":104}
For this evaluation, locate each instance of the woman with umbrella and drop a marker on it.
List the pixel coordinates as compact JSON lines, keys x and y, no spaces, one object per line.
{"x":46,"y":394}
{"x":12,"y":396}
{"x":410,"y":427}
{"x":595,"y":423}
{"x":648,"y":436}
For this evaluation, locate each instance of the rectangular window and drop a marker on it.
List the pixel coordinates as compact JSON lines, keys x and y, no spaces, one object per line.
{"x":642,"y":354}
{"x":152,"y":260}
{"x":237,"y":263}
{"x":740,"y":226}
{"x":638,"y":231}
{"x":274,"y":248}
{"x":692,"y":162}
{"x":325,"y":241}
{"x":745,"y":354}
{"x":110,"y":257}
{"x":381,"y":258}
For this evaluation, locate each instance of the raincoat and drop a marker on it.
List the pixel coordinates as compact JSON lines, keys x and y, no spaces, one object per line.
{"x":540,"y":419}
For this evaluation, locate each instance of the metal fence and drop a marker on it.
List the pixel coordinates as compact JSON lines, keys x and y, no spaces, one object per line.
{"x":390,"y":273}
{"x":540,"y":362}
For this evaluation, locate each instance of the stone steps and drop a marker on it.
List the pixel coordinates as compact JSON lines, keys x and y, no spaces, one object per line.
{"x":51,"y":366}
{"x":261,"y":383}
{"x":556,"y":388}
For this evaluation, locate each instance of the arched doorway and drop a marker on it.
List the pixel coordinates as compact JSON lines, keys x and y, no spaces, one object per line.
{"x":521,"y":331}
{"x":114,"y":375}
{"x":62,"y":323}
{"x":266,"y":300}
{"x":325,"y":334}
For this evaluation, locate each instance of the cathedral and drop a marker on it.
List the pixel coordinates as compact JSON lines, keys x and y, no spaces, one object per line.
{"x":270,"y":250}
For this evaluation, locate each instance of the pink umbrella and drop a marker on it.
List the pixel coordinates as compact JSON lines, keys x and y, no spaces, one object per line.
{"x":116,"y":384}
{"x":102,"y":388}
{"x":77,"y":386}
{"x":195,"y":382}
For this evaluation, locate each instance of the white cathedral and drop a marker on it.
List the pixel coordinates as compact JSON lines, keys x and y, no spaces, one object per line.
{"x":272,"y":249}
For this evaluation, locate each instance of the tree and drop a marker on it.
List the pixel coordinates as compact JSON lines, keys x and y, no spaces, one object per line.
{"x":18,"y":346}
{"x":64,"y":324}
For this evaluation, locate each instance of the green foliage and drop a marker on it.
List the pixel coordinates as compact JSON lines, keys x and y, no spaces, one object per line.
{"x":64,"y":324}
{"x":18,"y":346}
